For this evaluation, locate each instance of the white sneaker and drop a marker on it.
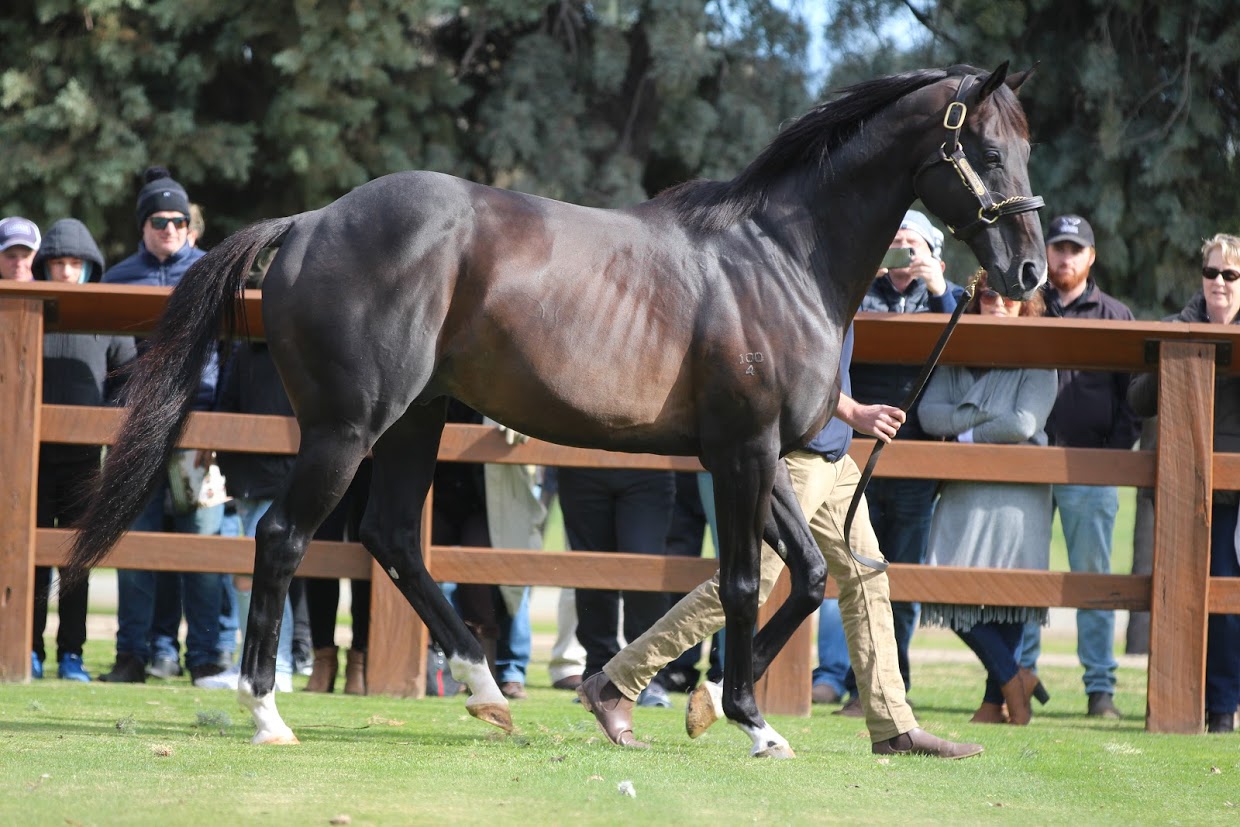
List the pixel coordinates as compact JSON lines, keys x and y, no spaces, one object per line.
{"x":229,"y":678}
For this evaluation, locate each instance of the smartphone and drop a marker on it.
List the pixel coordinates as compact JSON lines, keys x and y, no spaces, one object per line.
{"x":898,"y":258}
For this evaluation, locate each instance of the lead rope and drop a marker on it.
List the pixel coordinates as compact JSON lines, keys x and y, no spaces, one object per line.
{"x":909,"y":402}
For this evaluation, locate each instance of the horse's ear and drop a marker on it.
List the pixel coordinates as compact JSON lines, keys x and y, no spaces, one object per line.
{"x":993,"y":81}
{"x":1014,"y":82}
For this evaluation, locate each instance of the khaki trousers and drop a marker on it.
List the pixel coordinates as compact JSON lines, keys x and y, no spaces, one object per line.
{"x":824,"y":490}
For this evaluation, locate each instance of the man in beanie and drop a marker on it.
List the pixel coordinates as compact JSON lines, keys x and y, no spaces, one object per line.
{"x":163,"y":257}
{"x":19,"y":241}
{"x":900,"y":509}
{"x":1091,"y":411}
{"x":78,"y":369}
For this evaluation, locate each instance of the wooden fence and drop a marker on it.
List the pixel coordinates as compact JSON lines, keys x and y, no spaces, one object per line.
{"x":1183,"y":470}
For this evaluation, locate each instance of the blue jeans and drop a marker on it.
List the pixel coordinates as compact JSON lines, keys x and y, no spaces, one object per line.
{"x":997,"y":646}
{"x":512,"y":648}
{"x":200,"y":593}
{"x":832,"y":647}
{"x":1223,"y":631}
{"x":248,"y":514}
{"x":1087,"y":513}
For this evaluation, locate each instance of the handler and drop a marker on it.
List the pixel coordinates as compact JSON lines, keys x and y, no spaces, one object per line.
{"x":824,"y":477}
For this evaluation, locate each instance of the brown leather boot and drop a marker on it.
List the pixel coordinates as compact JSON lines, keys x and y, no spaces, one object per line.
{"x":355,"y":673}
{"x":989,"y":713}
{"x":1018,"y":692}
{"x":611,"y":709}
{"x":323,"y":672}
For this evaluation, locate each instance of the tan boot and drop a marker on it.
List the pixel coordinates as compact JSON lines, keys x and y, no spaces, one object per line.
{"x":989,"y":713}
{"x":323,"y":672}
{"x":355,"y":673}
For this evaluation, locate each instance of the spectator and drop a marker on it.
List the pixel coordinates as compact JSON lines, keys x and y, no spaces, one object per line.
{"x":250,"y":384}
{"x":568,"y":656}
{"x":162,"y":258}
{"x":1216,"y":303}
{"x":992,"y":525}
{"x":824,"y":477}
{"x":1091,"y":411}
{"x":611,"y":510}
{"x":19,"y":239}
{"x":685,"y":539}
{"x":900,"y":509}
{"x":197,"y":225}
{"x":77,"y":368}
{"x":323,"y":599}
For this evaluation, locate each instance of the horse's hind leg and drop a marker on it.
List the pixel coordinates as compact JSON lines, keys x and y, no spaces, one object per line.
{"x":743,"y":478}
{"x":806,"y":566}
{"x":404,"y":466}
{"x":325,"y":465}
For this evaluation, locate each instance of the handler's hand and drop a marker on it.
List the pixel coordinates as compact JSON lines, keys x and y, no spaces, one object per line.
{"x":880,"y":421}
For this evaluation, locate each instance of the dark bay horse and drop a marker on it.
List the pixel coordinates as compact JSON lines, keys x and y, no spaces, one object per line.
{"x":707,"y":321}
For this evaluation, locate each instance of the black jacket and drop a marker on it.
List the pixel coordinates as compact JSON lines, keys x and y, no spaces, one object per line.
{"x":252,"y":385}
{"x":1091,"y":409}
{"x":890,"y":384}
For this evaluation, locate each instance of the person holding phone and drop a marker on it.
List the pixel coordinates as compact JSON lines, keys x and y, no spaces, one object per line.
{"x":911,"y":280}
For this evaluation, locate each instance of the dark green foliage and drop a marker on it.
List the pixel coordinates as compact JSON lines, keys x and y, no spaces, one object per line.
{"x":271,"y":109}
{"x":1134,"y":111}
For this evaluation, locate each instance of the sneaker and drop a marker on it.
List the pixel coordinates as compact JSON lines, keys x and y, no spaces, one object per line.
{"x":1102,"y":705}
{"x":206,"y":670}
{"x":230,"y":677}
{"x":164,"y":667}
{"x":654,"y":695}
{"x":36,"y":667}
{"x":70,"y":669}
{"x":128,"y":668}
{"x":824,"y":693}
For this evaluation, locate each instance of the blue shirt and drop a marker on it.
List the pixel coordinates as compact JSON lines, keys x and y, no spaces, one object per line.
{"x":143,"y":268}
{"x":833,"y":440}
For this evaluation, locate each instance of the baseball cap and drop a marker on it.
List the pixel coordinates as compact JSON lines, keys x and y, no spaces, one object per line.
{"x":1071,"y":228}
{"x":16,"y":230}
{"x":918,"y":223}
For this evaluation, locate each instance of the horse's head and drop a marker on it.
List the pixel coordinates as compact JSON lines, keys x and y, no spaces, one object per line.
{"x":977,"y":180}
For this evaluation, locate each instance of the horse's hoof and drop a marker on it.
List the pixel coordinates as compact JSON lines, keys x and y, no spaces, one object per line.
{"x":776,"y":751}
{"x":281,"y":739}
{"x":703,"y":709}
{"x":495,"y":714}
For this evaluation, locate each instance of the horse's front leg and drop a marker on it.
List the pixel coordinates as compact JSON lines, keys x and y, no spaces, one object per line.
{"x":742,"y":498}
{"x":807,"y":568}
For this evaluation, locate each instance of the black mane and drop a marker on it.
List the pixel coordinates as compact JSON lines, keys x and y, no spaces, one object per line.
{"x":712,"y":206}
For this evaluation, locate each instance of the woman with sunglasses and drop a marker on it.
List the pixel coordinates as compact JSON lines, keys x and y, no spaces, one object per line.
{"x":1218,"y":302}
{"x":992,"y":525}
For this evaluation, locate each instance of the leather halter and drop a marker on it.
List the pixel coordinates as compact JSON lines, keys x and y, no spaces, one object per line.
{"x":989,"y":211}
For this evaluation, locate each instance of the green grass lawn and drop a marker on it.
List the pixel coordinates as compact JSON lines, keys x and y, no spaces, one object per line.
{"x":168,"y":754}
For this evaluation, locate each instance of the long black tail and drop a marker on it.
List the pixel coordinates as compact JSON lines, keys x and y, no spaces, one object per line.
{"x":161,"y":388}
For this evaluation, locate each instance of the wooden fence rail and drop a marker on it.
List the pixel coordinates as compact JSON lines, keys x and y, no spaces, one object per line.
{"x":1183,"y":471}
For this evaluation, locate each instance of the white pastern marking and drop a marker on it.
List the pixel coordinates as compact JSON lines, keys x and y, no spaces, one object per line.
{"x":270,"y":726}
{"x":715,"y":691}
{"x":478,"y":677}
{"x":764,"y":738}
{"x":393,"y":573}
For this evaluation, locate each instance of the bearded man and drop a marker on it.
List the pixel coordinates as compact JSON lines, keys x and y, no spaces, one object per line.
{"x":1091,"y":411}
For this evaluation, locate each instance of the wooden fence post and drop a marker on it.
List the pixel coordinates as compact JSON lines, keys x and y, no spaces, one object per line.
{"x":21,"y":391}
{"x":785,"y":689}
{"x":1183,"y":490}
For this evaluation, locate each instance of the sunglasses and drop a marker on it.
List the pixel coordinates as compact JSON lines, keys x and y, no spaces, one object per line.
{"x":160,"y":222}
{"x":1211,"y":273}
{"x":994,"y":296}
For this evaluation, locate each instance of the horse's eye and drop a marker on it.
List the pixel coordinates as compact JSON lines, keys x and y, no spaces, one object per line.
{"x":993,"y":159}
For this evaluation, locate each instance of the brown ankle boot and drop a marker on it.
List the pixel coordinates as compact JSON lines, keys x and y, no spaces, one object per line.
{"x":355,"y":673}
{"x":989,"y":713}
{"x":323,"y":672}
{"x":1018,"y":692}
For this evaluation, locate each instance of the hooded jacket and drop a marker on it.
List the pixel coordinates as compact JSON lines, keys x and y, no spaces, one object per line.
{"x":69,"y":238}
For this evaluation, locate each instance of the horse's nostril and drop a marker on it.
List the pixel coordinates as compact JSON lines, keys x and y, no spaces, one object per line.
{"x":1031,"y":276}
